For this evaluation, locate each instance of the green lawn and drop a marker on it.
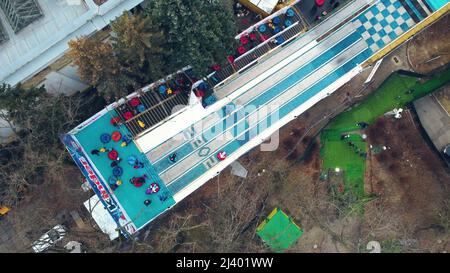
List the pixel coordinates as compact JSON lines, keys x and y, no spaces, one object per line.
{"x":336,"y":153}
{"x":395,"y":92}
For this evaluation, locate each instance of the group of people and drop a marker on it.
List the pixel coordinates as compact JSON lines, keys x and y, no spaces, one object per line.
{"x":113,"y":155}
{"x":352,"y":145}
{"x":138,"y":181}
{"x":173,"y":157}
{"x":153,"y":188}
{"x":137,"y":164}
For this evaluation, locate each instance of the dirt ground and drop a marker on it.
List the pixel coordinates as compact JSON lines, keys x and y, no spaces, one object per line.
{"x":430,"y":49}
{"x":46,"y":205}
{"x":411,"y":182}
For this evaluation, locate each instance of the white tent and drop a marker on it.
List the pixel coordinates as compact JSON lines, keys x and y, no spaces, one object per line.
{"x":102,"y":217}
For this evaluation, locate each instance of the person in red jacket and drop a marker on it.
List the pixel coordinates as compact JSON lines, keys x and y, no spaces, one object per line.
{"x":138,"y":181}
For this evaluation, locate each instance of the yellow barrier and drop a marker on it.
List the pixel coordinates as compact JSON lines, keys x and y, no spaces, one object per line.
{"x":4,"y":210}
{"x":420,"y":26}
{"x":261,"y":226}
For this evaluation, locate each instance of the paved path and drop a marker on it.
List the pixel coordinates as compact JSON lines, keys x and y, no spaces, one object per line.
{"x":435,"y":120}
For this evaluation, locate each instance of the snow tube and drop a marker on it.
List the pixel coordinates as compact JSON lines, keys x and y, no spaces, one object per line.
{"x":262,"y":28}
{"x":131,"y":160}
{"x":241,"y":50}
{"x":276,"y":20}
{"x":162,"y":89}
{"x":280,"y":40}
{"x":140,"y":108}
{"x":287,"y":23}
{"x":244,"y":40}
{"x":137,"y":182}
{"x":116,"y":136}
{"x":113,"y":155}
{"x":221,"y":155}
{"x":276,"y":30}
{"x":252,"y":36}
{"x":320,"y":2}
{"x":173,"y":158}
{"x":154,"y":188}
{"x":105,"y":138}
{"x":117,"y":171}
{"x":216,"y":67}
{"x":128,"y":115}
{"x":290,"y":12}
{"x":115,"y":120}
{"x":230,"y":58}
{"x":112,"y":180}
{"x":135,"y":102}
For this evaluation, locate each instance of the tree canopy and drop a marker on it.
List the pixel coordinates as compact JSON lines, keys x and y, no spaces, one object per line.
{"x":167,"y":36}
{"x":17,"y":102}
{"x":198,"y":32}
{"x":138,"y":47}
{"x":37,"y":119}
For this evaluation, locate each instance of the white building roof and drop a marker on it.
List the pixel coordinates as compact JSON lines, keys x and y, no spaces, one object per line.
{"x":42,"y":42}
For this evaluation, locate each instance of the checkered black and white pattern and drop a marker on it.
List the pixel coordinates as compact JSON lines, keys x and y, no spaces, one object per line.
{"x":382,"y":23}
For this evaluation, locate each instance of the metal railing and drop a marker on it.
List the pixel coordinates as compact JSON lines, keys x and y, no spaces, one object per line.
{"x":252,"y":56}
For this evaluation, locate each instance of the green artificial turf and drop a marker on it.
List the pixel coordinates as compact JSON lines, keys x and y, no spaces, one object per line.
{"x":336,"y":153}
{"x":395,"y":92}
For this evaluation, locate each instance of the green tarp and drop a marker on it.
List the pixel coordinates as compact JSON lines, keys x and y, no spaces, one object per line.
{"x":279,"y":231}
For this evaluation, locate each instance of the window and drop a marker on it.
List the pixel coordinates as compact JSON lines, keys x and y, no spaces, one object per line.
{"x":20,"y":13}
